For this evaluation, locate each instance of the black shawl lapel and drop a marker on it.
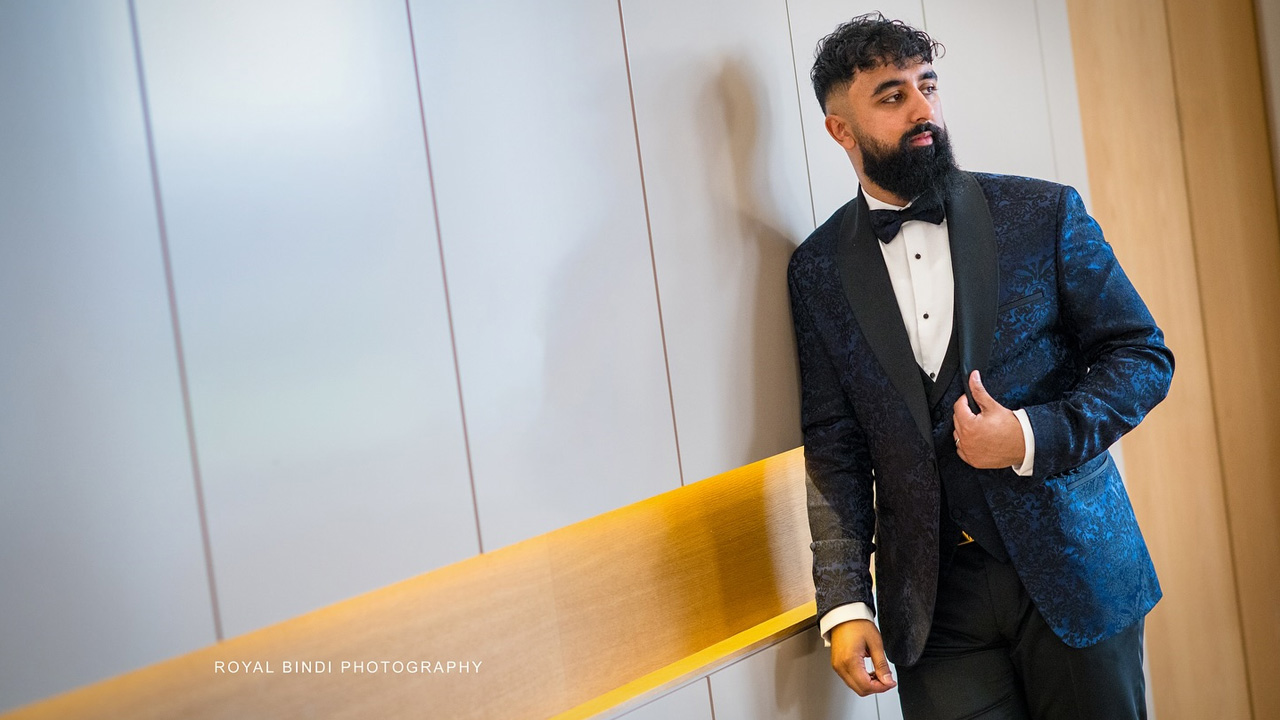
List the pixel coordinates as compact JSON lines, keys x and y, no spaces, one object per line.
{"x":870,"y":295}
{"x":977,"y":274}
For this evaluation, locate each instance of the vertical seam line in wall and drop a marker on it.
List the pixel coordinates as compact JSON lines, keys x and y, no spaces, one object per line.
{"x":176,"y":325}
{"x":1048,"y":105}
{"x":711,"y":699}
{"x":653,"y":257}
{"x":804,"y":142}
{"x":1208,"y":357}
{"x":444,"y":277}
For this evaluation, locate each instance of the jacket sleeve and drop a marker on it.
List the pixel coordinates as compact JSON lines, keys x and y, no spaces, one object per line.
{"x":838,"y":468}
{"x":1129,"y":367}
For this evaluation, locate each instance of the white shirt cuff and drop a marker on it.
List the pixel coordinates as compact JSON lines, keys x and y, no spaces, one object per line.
{"x":842,"y":614}
{"x":1028,"y":441}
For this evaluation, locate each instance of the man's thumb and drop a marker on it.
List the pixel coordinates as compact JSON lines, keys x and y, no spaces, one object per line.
{"x":883,"y":672}
{"x":980,"y":394}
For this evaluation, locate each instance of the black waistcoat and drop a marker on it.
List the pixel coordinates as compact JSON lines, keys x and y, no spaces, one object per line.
{"x":963,"y":506}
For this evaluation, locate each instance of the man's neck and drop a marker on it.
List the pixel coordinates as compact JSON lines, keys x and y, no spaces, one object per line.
{"x":881,"y":194}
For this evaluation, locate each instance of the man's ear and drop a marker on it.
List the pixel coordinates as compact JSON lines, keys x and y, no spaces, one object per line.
{"x":839,"y":130}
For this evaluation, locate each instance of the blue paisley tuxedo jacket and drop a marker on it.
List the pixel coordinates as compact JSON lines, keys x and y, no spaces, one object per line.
{"x":1044,"y":311}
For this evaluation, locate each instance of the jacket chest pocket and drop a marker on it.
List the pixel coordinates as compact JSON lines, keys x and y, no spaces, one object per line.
{"x":1019,"y":320}
{"x":1034,"y":297}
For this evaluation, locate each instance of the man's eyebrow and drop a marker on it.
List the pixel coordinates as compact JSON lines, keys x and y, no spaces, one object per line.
{"x":926,"y":75}
{"x":885,"y":86}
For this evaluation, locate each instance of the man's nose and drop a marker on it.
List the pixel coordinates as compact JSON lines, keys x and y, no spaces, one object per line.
{"x":921,"y":108}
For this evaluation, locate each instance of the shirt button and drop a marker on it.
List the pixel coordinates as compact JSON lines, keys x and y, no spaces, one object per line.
{"x":926,"y":316}
{"x":931,"y":376}
{"x":917,"y":256}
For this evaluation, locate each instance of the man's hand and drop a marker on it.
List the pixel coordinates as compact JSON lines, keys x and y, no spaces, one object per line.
{"x":851,"y":644}
{"x":993,"y":437}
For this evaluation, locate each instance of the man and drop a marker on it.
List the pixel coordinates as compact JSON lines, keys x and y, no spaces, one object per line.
{"x":965,"y":364}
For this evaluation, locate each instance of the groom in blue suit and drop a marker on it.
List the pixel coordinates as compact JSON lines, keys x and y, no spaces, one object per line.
{"x":969,"y":349}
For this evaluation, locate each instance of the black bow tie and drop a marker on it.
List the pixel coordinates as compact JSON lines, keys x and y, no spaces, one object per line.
{"x":886,"y":223}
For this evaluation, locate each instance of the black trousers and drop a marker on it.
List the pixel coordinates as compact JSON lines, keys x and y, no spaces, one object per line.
{"x":991,"y":655}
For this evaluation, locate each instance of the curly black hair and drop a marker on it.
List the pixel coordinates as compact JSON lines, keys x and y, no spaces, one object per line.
{"x":866,"y":43}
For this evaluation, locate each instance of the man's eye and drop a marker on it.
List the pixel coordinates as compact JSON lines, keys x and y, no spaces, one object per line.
{"x":893,"y":98}
{"x":929,"y":89}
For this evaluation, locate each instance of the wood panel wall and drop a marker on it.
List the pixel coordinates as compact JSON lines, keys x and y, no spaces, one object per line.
{"x":1175,"y":131}
{"x":1222,"y":107}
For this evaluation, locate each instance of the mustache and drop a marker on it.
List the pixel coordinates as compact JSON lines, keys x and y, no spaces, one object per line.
{"x":922,"y":127}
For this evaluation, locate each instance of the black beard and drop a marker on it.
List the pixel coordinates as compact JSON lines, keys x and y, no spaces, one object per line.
{"x":908,"y":171}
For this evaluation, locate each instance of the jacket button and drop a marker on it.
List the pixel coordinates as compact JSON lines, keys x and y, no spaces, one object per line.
{"x":956,"y":515}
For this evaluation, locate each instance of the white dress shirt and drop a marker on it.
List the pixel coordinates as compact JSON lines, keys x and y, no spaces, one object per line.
{"x":919,"y":263}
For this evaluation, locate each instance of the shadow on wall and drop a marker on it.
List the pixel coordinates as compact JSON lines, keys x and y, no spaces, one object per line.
{"x":765,"y":248}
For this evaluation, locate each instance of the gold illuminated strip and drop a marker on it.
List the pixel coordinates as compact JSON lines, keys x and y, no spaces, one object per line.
{"x":694,"y":667}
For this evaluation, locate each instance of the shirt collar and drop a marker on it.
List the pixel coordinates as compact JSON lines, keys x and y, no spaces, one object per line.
{"x":875,"y":204}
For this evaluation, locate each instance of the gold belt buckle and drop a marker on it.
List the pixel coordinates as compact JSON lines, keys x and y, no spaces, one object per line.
{"x":967,"y":538}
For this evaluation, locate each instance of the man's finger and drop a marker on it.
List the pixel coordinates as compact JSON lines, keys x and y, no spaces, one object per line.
{"x":855,"y":675}
{"x":884,"y":674}
{"x":980,"y":394}
{"x":960,"y":411}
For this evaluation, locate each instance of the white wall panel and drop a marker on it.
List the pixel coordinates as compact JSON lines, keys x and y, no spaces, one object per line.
{"x":100,"y":554}
{"x":550,"y":273}
{"x":292,"y":164}
{"x":999,"y":82}
{"x":691,"y":702}
{"x":1064,"y":101}
{"x":992,"y":81}
{"x":724,"y":166}
{"x":791,"y":680}
{"x":834,"y":181}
